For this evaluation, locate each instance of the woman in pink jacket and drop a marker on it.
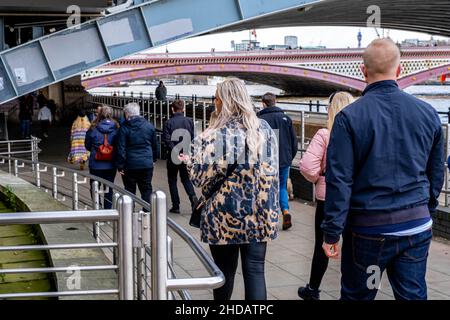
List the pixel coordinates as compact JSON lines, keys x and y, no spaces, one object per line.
{"x":312,"y":167}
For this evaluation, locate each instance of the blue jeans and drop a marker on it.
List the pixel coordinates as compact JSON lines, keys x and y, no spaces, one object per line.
{"x":403,"y":258}
{"x":253,"y":258}
{"x":284,"y":197}
{"x":25,"y":128}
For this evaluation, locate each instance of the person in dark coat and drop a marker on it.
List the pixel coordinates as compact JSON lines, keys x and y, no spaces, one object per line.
{"x":161,"y":92}
{"x":183,"y":128}
{"x":136,"y":152}
{"x":288,"y":147}
{"x":385,"y":172}
{"x":103,"y":127}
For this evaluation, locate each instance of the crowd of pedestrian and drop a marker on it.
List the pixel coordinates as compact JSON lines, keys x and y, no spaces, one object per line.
{"x":378,"y":168}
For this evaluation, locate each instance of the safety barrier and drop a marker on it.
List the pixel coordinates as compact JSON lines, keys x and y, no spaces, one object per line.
{"x":145,"y":231}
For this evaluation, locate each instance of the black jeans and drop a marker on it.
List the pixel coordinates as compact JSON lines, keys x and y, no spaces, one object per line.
{"x":45,"y":124}
{"x":141,"y":178}
{"x":172,"y":174}
{"x":320,"y":260}
{"x":253,"y":259}
{"x":109,"y":175}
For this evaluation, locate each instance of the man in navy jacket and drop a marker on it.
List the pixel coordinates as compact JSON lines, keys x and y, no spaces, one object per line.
{"x":178,"y":125}
{"x":288,"y":147}
{"x":385,"y":171}
{"x":136,"y":152}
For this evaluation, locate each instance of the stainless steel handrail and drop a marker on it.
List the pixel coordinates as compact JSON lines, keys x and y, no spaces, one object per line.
{"x":122,"y":216}
{"x":216,"y":278}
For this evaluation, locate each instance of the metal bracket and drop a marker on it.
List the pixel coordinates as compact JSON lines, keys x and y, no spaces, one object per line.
{"x":141,"y":229}
{"x":84,"y":181}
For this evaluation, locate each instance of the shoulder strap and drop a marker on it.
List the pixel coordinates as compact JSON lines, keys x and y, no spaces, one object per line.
{"x":105,"y":139}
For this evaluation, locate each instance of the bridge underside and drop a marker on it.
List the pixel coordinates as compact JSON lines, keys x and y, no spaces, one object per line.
{"x":431,"y":16}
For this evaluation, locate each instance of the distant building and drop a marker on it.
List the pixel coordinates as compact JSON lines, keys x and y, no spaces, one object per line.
{"x":291,"y":42}
{"x":424,"y":43}
{"x":247,"y":45}
{"x":278,"y":47}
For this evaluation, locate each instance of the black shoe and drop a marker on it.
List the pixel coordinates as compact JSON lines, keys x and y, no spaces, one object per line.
{"x":174,"y":210}
{"x":287,"y":220}
{"x":306,"y":293}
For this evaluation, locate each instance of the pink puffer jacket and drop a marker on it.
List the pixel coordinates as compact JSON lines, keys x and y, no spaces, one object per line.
{"x":313,"y":163}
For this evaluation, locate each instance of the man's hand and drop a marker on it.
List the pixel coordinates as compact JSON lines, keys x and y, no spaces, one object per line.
{"x":122,"y":172}
{"x":332,"y":251}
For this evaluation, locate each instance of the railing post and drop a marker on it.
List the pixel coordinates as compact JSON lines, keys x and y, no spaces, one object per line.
{"x":96,"y":205}
{"x":204,"y":116}
{"x":170,"y":260}
{"x":161,"y":114}
{"x":16,"y":168}
{"x":75,"y":191}
{"x":126,"y":284}
{"x":193,"y":116}
{"x":9,"y":157}
{"x":159,"y":246}
{"x":54,"y":183}
{"x":115,"y":203}
{"x":303,"y":131}
{"x":38,"y":174}
{"x":154,"y":113}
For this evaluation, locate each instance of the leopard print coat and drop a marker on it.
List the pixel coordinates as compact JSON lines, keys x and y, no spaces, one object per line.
{"x":246,"y":208}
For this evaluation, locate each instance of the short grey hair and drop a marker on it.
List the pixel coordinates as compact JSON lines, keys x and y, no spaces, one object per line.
{"x":132,"y":109}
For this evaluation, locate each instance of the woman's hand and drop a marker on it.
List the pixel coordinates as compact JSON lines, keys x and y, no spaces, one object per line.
{"x":183,"y":157}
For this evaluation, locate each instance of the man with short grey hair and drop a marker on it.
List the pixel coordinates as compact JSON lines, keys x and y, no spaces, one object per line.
{"x":136,"y":152}
{"x":385,"y":171}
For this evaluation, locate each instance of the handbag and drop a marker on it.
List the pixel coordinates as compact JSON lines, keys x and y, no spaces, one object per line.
{"x":104,"y":151}
{"x":200,"y":205}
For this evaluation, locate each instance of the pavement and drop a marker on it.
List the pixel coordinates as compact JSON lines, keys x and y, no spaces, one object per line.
{"x":288,"y":260}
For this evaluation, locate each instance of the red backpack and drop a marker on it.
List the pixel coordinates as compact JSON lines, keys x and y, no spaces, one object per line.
{"x":104,"y":151}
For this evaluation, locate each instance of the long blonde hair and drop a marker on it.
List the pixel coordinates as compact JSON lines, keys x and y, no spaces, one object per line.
{"x":338,"y":102}
{"x":236,"y":102}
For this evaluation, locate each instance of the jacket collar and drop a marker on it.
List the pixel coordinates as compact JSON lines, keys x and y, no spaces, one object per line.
{"x":178,"y":114}
{"x":381,"y":85}
{"x":270,"y":110}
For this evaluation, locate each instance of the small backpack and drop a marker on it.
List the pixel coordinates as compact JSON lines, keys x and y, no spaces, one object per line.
{"x":104,"y":151}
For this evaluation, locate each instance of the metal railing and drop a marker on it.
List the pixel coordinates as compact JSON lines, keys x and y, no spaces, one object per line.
{"x":152,"y":260}
{"x":125,"y":269}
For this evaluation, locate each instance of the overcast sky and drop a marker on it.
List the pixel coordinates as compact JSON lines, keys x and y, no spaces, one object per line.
{"x":331,"y":37}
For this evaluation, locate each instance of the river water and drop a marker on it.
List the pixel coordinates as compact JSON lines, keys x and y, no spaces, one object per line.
{"x":437,"y":95}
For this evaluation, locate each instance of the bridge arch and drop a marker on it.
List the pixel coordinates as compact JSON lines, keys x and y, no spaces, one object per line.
{"x":423,"y":76}
{"x":283,"y":77}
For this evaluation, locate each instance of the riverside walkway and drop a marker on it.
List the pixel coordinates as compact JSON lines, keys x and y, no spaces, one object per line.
{"x":288,"y":257}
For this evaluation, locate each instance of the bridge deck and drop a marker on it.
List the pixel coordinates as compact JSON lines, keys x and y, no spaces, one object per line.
{"x":288,"y":258}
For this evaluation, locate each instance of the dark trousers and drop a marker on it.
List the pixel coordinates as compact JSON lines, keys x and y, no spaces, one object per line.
{"x":253,"y":259}
{"x":320,"y":260}
{"x":25,"y":128}
{"x":172,"y":174}
{"x":45,"y":125}
{"x":365,"y":258}
{"x":109,"y":175}
{"x":142,"y":178}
